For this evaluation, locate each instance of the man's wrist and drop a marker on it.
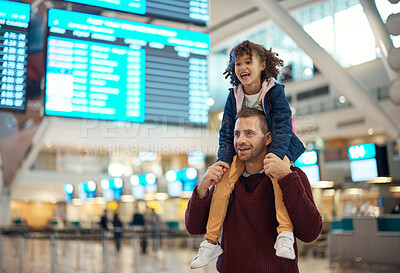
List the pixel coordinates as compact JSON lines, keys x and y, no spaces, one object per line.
{"x":201,"y":192}
{"x":286,"y":174}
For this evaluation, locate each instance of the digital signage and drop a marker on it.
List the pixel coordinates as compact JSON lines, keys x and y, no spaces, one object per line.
{"x":363,"y":162}
{"x":142,"y":184}
{"x":363,"y":170}
{"x":113,"y":69}
{"x":188,"y":11}
{"x":308,"y":163}
{"x":14,"y":24}
{"x":362,"y":151}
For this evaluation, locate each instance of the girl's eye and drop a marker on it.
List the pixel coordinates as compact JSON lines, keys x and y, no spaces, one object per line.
{"x":248,"y":62}
{"x":237,"y":64}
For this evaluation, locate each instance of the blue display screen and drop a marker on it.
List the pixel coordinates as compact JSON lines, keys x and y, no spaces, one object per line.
{"x":174,"y":188}
{"x":188,"y":11}
{"x":112,"y":69}
{"x":308,"y":158}
{"x":363,"y":151}
{"x":363,"y":170}
{"x":312,"y":173}
{"x":134,"y":6}
{"x":14,"y":23}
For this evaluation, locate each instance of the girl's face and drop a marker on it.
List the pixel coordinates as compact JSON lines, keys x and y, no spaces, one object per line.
{"x":248,"y":71}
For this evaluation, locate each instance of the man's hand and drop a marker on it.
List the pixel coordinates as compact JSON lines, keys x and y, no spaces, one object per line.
{"x":213,"y":175}
{"x":274,"y":167}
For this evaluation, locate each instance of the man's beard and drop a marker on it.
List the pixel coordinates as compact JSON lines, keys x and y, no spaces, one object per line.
{"x":251,"y":155}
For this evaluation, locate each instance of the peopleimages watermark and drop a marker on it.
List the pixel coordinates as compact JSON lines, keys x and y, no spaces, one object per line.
{"x":309,"y":129}
{"x":163,"y":133}
{"x":133,"y":150}
{"x":118,"y":129}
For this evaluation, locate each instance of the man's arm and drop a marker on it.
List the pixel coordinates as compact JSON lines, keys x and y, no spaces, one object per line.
{"x":299,"y":202}
{"x":197,"y":211}
{"x":297,"y":197}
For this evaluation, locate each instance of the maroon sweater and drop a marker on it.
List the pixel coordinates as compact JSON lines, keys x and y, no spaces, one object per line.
{"x":249,"y":229}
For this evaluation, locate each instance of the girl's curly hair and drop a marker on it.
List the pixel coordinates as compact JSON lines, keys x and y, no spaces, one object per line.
{"x":265,"y":55}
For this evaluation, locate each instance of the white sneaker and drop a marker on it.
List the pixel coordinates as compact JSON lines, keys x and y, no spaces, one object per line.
{"x":207,"y":253}
{"x":284,"y":245}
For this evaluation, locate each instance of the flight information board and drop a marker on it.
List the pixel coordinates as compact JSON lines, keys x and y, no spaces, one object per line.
{"x":189,"y":11}
{"x":112,"y":69}
{"x":14,"y":23}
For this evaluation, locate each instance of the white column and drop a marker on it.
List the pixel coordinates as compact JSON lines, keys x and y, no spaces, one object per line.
{"x":381,"y":35}
{"x":5,"y":206}
{"x":334,"y":73}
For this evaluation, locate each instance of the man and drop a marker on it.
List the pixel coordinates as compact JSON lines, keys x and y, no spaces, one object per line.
{"x":104,"y":221}
{"x":249,"y":229}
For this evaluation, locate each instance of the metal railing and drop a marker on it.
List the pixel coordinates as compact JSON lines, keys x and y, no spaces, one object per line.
{"x":26,"y":245}
{"x":332,"y":104}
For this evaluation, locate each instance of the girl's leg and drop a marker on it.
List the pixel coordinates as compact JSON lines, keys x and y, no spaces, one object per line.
{"x":285,"y":240}
{"x":219,"y":203}
{"x":281,"y":213}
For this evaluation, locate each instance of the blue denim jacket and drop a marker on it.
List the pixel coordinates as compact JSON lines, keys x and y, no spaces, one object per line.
{"x":279,"y":116}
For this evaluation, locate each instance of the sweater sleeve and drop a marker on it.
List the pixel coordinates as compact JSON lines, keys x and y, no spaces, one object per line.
{"x":299,"y":202}
{"x":196,"y":215}
{"x":281,"y":121}
{"x":226,"y":150}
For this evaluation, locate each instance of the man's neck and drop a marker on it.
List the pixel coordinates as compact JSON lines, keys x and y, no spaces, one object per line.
{"x":254,"y":166}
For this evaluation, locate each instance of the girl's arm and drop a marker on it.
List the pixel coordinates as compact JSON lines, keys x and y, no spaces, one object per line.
{"x":281,"y":121}
{"x":226,"y":149}
{"x":299,"y":203}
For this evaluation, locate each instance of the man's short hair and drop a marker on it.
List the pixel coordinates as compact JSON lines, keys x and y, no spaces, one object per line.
{"x":252,"y":112}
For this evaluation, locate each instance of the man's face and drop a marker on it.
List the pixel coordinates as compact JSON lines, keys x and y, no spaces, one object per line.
{"x":250,"y":142}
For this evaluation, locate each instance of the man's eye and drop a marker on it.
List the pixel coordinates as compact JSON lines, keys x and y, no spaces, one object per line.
{"x":250,"y":133}
{"x":236,"y":134}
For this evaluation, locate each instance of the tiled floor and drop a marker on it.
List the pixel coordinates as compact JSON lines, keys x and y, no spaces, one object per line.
{"x":174,"y":256}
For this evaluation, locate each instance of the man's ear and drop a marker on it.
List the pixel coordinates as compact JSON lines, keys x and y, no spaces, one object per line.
{"x":268,"y":138}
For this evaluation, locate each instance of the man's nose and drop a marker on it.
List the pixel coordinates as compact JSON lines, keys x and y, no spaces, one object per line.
{"x":241,"y":139}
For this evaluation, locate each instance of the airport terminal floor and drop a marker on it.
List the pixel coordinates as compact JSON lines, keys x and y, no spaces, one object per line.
{"x":89,"y":257}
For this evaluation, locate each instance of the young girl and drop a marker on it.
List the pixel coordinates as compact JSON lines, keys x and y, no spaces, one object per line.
{"x":253,"y":71}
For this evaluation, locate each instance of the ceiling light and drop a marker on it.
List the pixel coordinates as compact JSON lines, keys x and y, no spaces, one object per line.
{"x":116,"y":169}
{"x":210,"y":102}
{"x":379,"y":180}
{"x":323,"y":184}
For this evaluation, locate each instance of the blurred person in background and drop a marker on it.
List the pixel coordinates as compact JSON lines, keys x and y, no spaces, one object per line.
{"x":154,"y":224}
{"x":104,"y":221}
{"x":396,"y":209}
{"x":117,"y":224}
{"x":139,"y":224}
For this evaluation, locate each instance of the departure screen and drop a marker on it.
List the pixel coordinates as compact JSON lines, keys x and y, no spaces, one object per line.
{"x":189,"y":11}
{"x":105,"y":68}
{"x":14,"y":23}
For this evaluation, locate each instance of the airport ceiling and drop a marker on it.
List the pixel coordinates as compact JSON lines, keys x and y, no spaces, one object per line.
{"x":227,"y":17}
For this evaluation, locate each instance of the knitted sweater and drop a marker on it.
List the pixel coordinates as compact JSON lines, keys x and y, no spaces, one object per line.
{"x":249,"y":229}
